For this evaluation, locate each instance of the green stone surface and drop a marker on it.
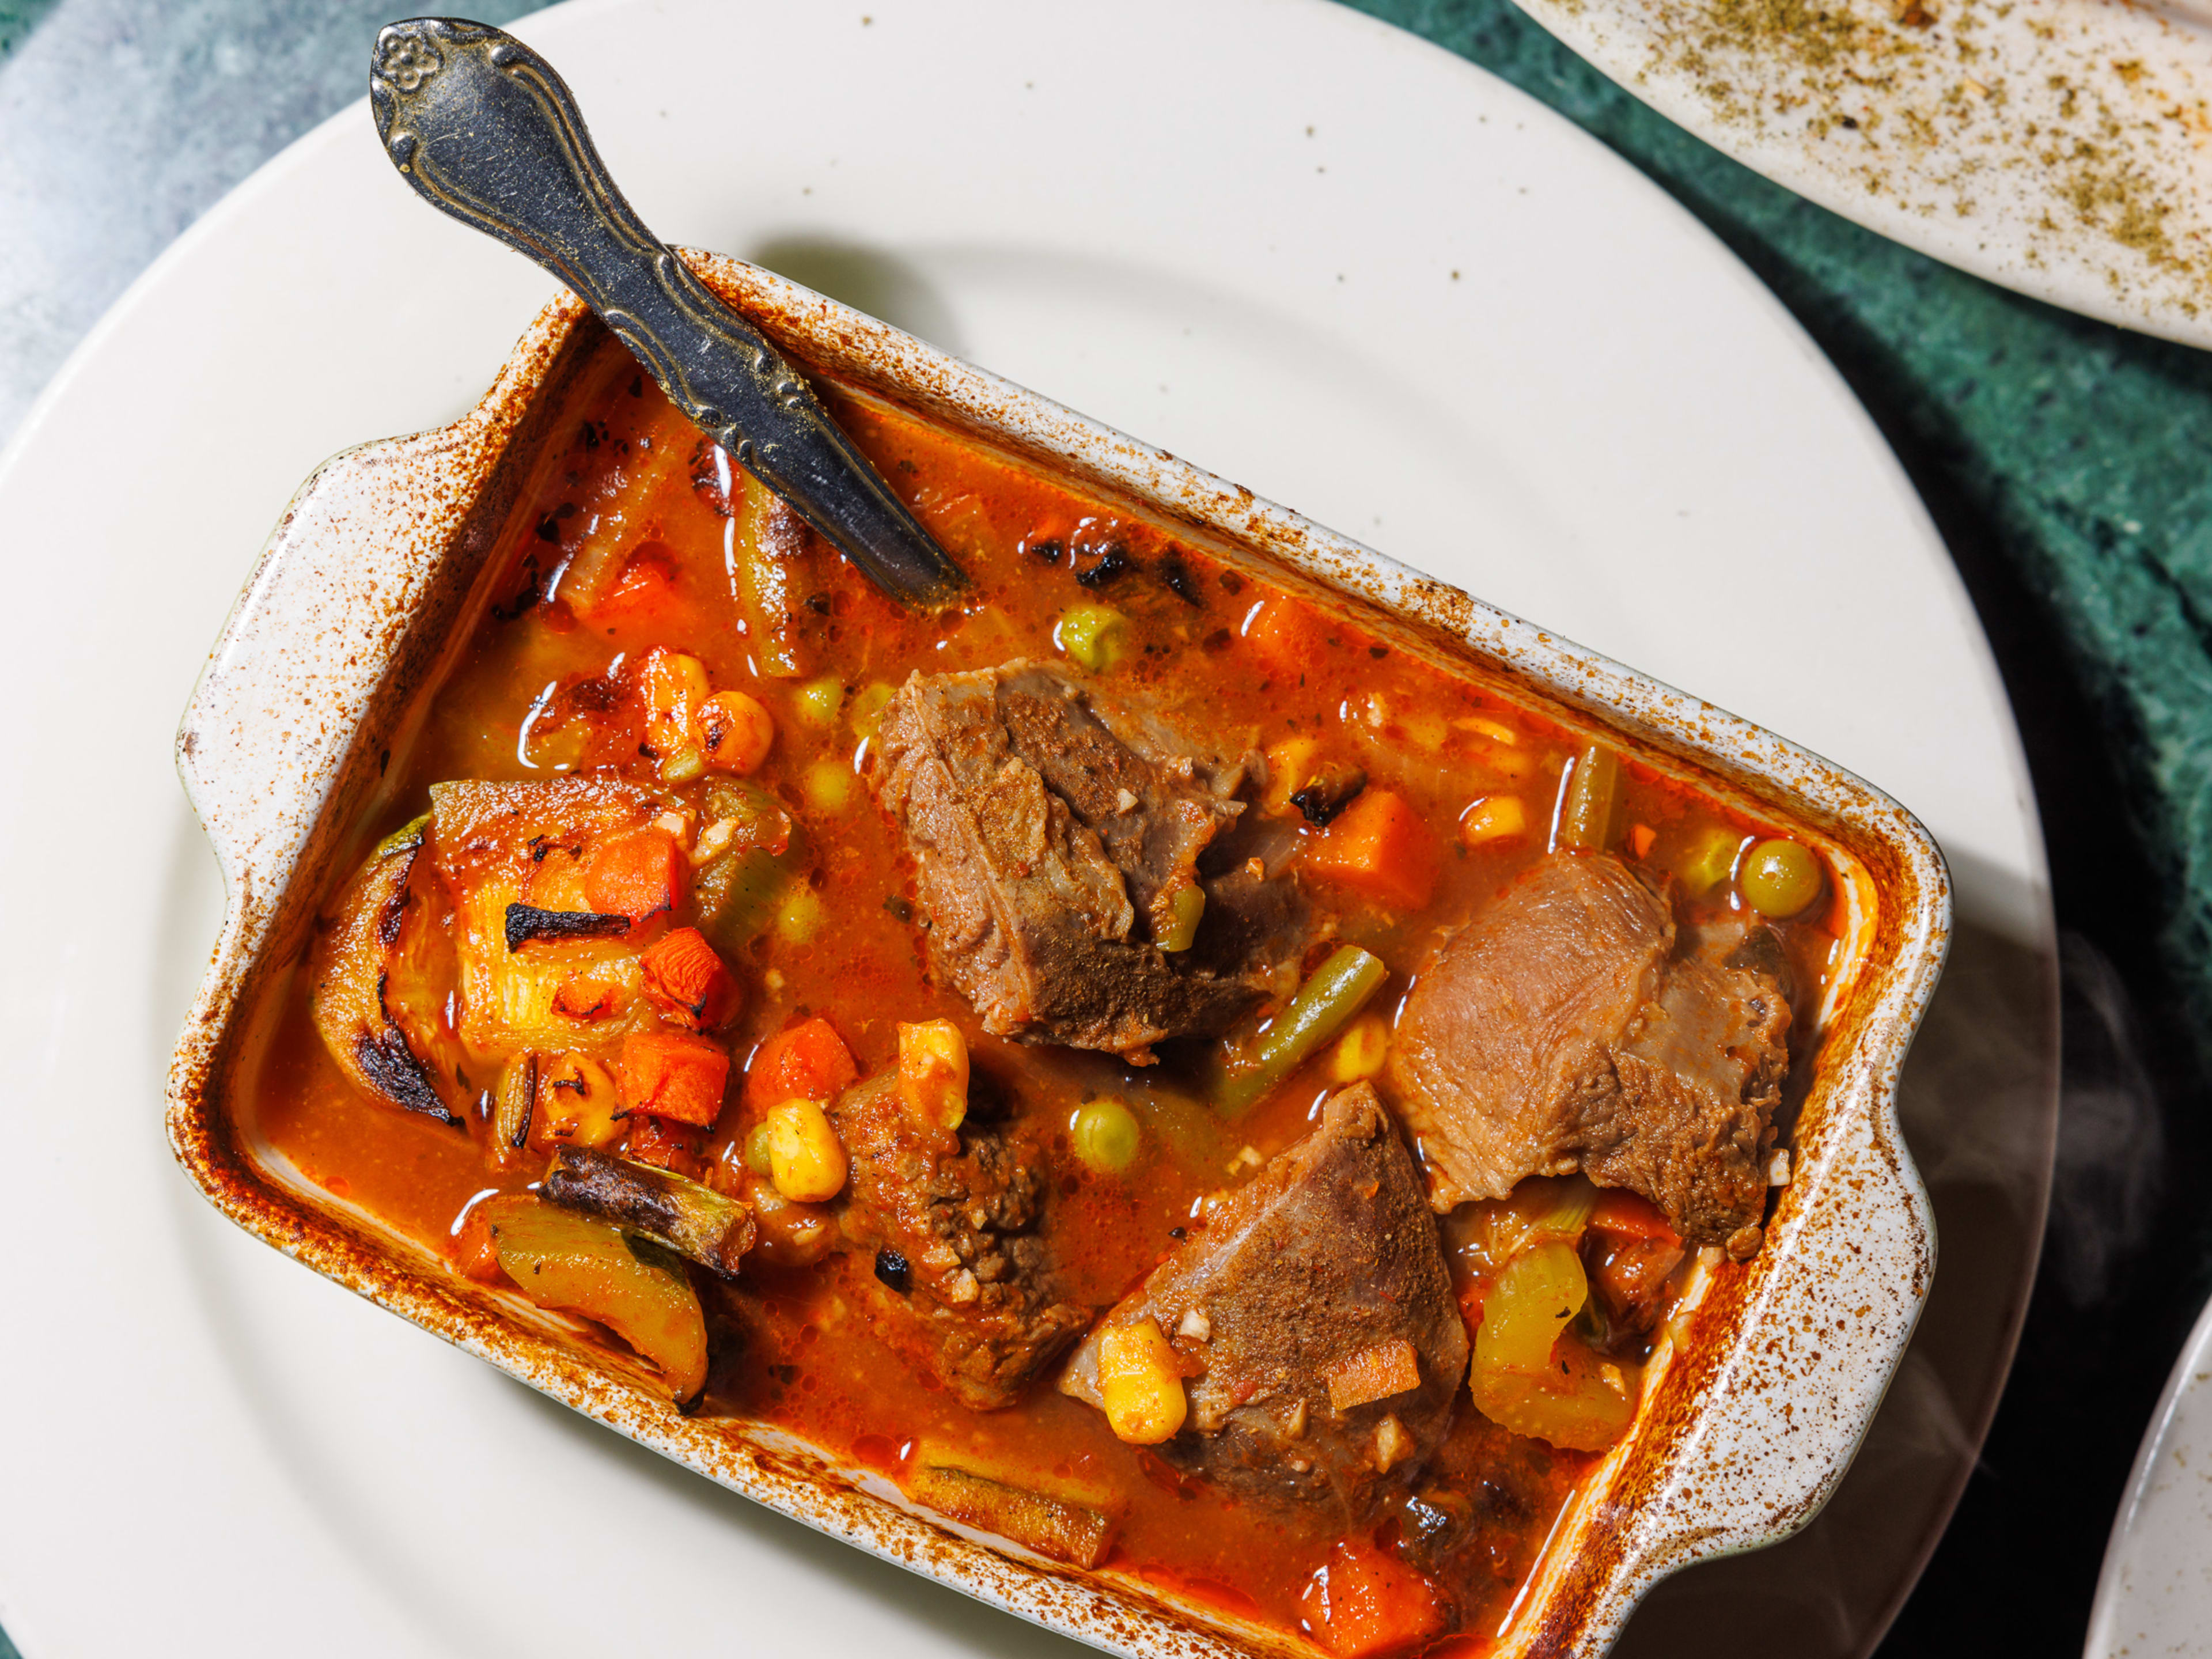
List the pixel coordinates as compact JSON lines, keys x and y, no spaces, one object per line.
{"x":2061,"y":460}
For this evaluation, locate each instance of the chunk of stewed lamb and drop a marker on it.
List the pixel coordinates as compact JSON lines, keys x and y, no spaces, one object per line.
{"x":1562,"y":1031}
{"x":1063,"y":843}
{"x":1315,"y":1320}
{"x":951,"y":1221}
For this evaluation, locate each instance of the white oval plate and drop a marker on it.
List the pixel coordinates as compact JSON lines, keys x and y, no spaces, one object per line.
{"x":2057,"y":148}
{"x":1307,"y":251}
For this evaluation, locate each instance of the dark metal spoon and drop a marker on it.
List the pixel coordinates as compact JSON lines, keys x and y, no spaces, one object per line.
{"x":485,"y":130}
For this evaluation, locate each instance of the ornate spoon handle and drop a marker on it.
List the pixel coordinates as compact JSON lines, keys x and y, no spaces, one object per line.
{"x":484,"y":129}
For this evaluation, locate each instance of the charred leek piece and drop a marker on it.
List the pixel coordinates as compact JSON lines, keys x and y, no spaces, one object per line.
{"x":696,"y":1221}
{"x":1053,"y":1527}
{"x":580,"y":1266}
{"x":376,"y":982}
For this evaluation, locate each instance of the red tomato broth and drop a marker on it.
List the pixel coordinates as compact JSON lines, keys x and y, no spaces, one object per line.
{"x":534,"y":688}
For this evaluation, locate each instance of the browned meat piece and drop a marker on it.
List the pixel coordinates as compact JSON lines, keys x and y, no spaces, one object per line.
{"x":951,"y":1218}
{"x":1560,"y":1032}
{"x":1057,"y":834}
{"x":1317,"y":1313}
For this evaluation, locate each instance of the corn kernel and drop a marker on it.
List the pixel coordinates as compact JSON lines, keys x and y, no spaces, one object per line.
{"x":1496,"y":818}
{"x":1290,"y":763}
{"x":1140,"y":1383}
{"x":1358,"y":1053}
{"x":933,"y":1062}
{"x":805,"y":1159}
{"x":735,"y":732}
{"x":817,"y":703}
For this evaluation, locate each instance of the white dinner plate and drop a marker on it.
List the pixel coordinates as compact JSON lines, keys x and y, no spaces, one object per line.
{"x":1304,"y":250}
{"x":2058,"y":147}
{"x":2154,"y":1595}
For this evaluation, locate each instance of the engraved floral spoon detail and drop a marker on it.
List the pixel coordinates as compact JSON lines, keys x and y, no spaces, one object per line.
{"x":485,"y":130}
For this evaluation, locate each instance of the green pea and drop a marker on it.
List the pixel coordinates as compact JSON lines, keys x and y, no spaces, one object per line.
{"x":1095,"y":636}
{"x":756,"y":1153}
{"x":1780,"y":877}
{"x":817,"y":703}
{"x":1106,"y":1135}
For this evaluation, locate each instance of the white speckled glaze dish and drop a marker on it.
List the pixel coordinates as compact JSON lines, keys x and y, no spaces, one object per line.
{"x":1745,"y":1428}
{"x":2058,"y":149}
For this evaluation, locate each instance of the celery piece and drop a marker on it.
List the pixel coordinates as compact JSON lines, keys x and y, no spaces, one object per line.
{"x":1323,"y":1007}
{"x":1710,"y":859}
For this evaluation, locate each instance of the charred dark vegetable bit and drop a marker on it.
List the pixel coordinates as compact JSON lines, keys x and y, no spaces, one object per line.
{"x":1162,"y":1022}
{"x":525,"y":922}
{"x":696,"y":1221}
{"x":1174,"y":575}
{"x":1113,"y":564}
{"x":1328,"y":792}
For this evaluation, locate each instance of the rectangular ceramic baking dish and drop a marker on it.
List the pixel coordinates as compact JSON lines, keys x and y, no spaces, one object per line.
{"x":1753,"y":1407}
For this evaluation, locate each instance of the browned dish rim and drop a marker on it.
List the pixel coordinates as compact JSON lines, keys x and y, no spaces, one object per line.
{"x":1745,"y":1429}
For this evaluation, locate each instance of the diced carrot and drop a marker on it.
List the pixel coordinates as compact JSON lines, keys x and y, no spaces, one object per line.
{"x":1640,"y":837}
{"x":1284,"y":636}
{"x":666,"y":1146}
{"x":688,"y":982}
{"x":471,"y":1249}
{"x":1365,"y":1604}
{"x":674,"y":1074}
{"x":1630,"y":1215}
{"x":633,"y":875}
{"x":1381,"y":848}
{"x":808,"y":1061}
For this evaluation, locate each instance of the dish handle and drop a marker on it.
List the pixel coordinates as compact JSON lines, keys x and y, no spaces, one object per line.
{"x":1780,"y":1412}
{"x":314,"y":638}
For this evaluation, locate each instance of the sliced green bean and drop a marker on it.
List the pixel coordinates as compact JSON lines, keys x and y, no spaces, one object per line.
{"x":1593,"y":794}
{"x":1322,"y":1007}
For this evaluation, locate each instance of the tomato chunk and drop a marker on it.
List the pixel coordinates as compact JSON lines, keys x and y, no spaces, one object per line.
{"x":674,"y":1074}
